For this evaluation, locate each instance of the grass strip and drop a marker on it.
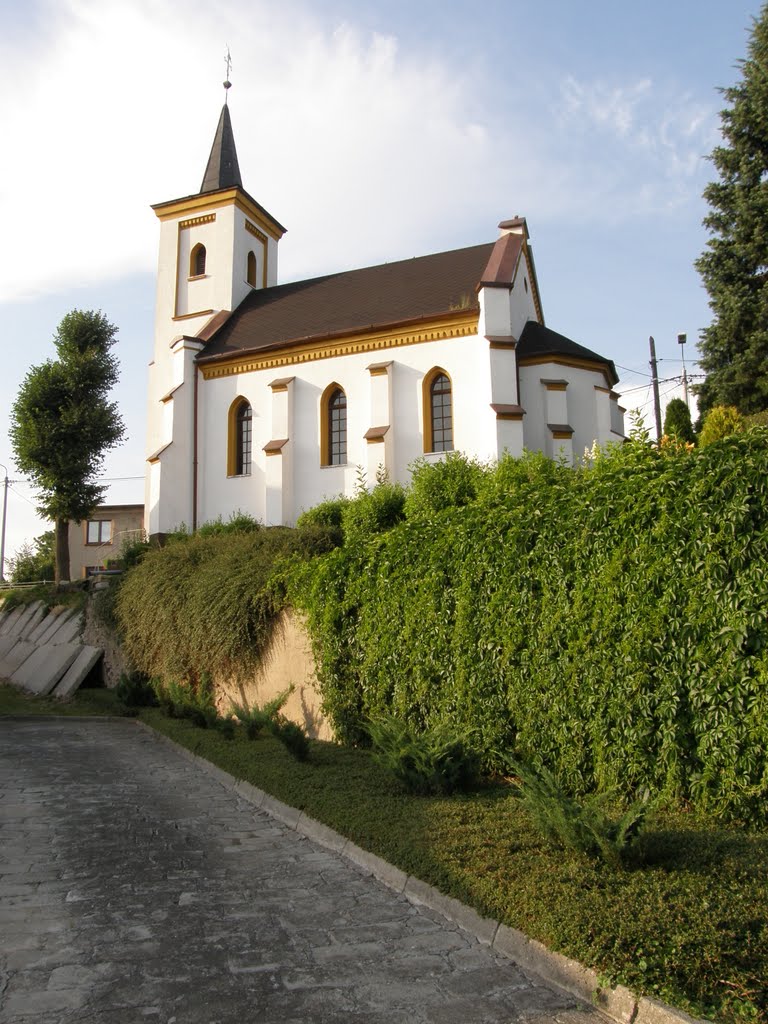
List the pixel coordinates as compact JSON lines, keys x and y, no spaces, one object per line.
{"x":690,"y":927}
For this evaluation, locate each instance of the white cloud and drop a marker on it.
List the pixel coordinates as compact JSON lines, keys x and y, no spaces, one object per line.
{"x":363,"y":147}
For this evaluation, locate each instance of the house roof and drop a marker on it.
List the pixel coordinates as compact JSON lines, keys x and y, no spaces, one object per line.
{"x":223,"y":170}
{"x":373,"y":298}
{"x":356,"y":300}
{"x":539,"y":341}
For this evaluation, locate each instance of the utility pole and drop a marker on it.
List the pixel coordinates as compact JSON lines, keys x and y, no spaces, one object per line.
{"x":2,"y":529}
{"x":655,"y":382}
{"x":681,"y":340}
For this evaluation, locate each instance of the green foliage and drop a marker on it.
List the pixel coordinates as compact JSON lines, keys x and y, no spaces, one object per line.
{"x":449,"y":483}
{"x":721,"y":421}
{"x":34,"y":561}
{"x":437,"y":760}
{"x":62,"y":423}
{"x":238,"y":522}
{"x":256,"y":719}
{"x":208,"y":600}
{"x":292,"y":736}
{"x":582,"y":826}
{"x":327,"y":513}
{"x":372,"y":512}
{"x":608,"y":621}
{"x":734,"y":349}
{"x":136,"y":691}
{"x":677,"y":421}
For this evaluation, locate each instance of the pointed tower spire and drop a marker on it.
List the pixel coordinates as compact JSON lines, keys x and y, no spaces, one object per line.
{"x":223,"y":170}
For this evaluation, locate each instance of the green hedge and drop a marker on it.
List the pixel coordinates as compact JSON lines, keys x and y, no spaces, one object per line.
{"x":607,"y":622}
{"x":207,"y":603}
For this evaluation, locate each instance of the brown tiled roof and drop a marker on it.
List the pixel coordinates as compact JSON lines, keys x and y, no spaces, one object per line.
{"x":354,"y":301}
{"x":537,"y":340}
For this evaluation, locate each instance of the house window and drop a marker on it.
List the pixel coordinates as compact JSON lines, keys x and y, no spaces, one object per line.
{"x":438,"y":412}
{"x":333,"y":426}
{"x":240,"y":438}
{"x":244,"y":440}
{"x":197,"y":261}
{"x":98,"y":531}
{"x":251,"y":269}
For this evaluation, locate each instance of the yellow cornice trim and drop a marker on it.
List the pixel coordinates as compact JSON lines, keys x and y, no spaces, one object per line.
{"x":194,"y":221}
{"x":209,"y":201}
{"x":457,"y":325}
{"x":253,"y":230}
{"x":573,"y":361}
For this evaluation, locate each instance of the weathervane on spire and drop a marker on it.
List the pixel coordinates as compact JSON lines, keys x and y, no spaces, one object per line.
{"x":227,"y":84}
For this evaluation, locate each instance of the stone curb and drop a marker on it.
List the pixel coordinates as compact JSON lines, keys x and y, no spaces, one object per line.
{"x":620,"y":1004}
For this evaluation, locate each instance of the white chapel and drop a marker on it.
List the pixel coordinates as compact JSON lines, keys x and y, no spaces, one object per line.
{"x":267,"y":398}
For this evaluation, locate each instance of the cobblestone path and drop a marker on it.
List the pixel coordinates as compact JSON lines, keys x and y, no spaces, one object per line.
{"x":134,"y":887}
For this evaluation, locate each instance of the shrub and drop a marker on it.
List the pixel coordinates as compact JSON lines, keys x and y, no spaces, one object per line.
{"x":373,"y":512}
{"x":721,"y":421}
{"x":450,"y":483}
{"x":136,"y":691}
{"x":292,"y":736}
{"x":582,"y":826}
{"x":255,"y":719}
{"x":437,"y":760}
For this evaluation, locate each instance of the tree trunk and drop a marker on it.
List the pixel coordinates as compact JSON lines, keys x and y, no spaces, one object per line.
{"x":62,"y":550}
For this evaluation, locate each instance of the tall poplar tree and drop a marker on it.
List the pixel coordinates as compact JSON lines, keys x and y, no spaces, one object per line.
{"x":62,"y":424}
{"x":734,"y":266}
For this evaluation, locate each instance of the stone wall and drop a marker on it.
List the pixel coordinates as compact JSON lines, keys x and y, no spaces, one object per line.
{"x":289,"y":662}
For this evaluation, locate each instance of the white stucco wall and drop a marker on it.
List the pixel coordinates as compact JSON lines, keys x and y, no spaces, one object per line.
{"x":466,"y":361}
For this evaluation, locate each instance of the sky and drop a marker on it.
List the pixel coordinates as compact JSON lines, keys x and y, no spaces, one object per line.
{"x":374,"y":131}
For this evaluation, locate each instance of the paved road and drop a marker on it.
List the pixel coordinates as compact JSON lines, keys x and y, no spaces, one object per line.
{"x":134,"y":887}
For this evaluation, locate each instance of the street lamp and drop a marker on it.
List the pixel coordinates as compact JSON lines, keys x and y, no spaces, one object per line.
{"x":681,"y":340}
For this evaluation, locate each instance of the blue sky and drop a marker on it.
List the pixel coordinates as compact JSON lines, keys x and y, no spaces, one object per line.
{"x":373,"y":131}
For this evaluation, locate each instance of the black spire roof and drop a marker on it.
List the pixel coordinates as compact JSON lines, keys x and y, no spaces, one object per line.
{"x":222,"y":170}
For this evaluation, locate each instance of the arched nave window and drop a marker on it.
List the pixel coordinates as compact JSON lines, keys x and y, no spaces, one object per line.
{"x":240,"y":438}
{"x":438,"y":412}
{"x":333,"y":426}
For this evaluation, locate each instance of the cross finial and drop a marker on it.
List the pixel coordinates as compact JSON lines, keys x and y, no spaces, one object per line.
{"x":227,"y":83}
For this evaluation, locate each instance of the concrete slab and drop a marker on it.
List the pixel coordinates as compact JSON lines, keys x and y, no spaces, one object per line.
{"x":10,"y":620}
{"x":17,"y":655}
{"x":44,"y":667}
{"x":34,"y":620}
{"x":6,"y":643}
{"x":68,"y":630}
{"x":77,"y":671}
{"x":42,"y":627}
{"x":58,"y":617}
{"x":27,"y":612}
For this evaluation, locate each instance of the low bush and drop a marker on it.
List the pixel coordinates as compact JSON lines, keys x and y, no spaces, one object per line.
{"x":437,"y":760}
{"x":256,"y":719}
{"x":136,"y":691}
{"x":292,"y":736}
{"x":583,"y":826}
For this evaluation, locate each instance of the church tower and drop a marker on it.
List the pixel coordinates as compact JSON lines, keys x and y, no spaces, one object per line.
{"x":216,"y":247}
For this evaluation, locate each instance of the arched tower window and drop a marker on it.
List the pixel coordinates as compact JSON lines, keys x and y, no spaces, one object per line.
{"x":197,"y":261}
{"x":438,"y":412}
{"x":240,"y":438}
{"x":251,"y":269}
{"x":333,"y":426}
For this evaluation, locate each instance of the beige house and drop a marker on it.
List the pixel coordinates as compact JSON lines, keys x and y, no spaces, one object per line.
{"x":95,"y":541}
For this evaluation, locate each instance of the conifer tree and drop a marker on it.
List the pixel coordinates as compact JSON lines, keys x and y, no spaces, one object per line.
{"x":677,"y":421}
{"x":734,"y":266}
{"x":62,"y":423}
